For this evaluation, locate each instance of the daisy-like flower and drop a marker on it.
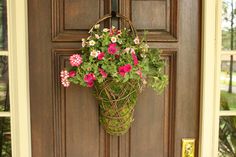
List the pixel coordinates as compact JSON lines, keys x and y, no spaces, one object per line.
{"x":75,"y":60}
{"x":97,"y":26}
{"x":83,"y":42}
{"x":92,"y":42}
{"x":105,"y":30}
{"x":136,"y":40}
{"x":94,"y":53}
{"x":97,"y":36}
{"x":113,"y":39}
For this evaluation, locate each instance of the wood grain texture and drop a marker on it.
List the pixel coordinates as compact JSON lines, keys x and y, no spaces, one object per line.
{"x":70,"y":20}
{"x":142,"y":19}
{"x":159,"y":18}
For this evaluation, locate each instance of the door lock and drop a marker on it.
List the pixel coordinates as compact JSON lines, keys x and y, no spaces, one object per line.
{"x":188,"y":147}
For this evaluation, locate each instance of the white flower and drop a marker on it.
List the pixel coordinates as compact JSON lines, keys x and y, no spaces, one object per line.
{"x":83,"y":42}
{"x":127,"y":50}
{"x":105,"y":30}
{"x":136,"y":40}
{"x":97,"y":26}
{"x":144,"y":81}
{"x":94,"y":53}
{"x":97,"y":36}
{"x":143,"y":55}
{"x":132,"y":51}
{"x":113,"y":39}
{"x":113,"y":27}
{"x":91,"y":42}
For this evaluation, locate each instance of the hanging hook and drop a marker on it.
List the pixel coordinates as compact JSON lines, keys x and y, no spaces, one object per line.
{"x":113,"y":14}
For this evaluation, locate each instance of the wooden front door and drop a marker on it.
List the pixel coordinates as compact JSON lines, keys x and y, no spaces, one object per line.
{"x":65,"y":122}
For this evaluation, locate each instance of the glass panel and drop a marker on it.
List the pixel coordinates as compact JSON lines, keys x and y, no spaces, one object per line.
{"x":5,"y":137}
{"x":4,"y":90}
{"x":3,"y":25}
{"x":227,"y":136}
{"x":228,"y":82}
{"x":228,"y":25}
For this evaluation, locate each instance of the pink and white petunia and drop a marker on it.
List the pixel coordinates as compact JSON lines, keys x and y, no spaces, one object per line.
{"x":75,"y":60}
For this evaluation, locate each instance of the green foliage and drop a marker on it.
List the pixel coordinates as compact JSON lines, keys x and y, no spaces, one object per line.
{"x":227,"y":131}
{"x":156,"y":78}
{"x":148,"y":68}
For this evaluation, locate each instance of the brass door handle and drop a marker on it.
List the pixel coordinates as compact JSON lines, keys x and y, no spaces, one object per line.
{"x":188,"y":147}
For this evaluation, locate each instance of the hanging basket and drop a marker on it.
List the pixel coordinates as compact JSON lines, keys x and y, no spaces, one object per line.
{"x":118,"y":65}
{"x":117,"y":100}
{"x":116,"y":105}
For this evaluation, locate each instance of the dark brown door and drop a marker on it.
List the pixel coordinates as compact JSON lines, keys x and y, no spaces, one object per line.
{"x":65,"y":121}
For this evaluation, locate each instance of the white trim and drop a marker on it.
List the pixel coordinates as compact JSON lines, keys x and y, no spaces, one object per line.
{"x":5,"y":114}
{"x":19,"y":84}
{"x":227,"y":113}
{"x":3,"y":53}
{"x":210,"y":80}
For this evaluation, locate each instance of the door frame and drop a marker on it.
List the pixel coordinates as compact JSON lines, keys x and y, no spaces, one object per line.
{"x":209,"y":94}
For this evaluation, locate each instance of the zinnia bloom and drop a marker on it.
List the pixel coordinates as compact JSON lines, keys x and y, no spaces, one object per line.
{"x":75,"y":60}
{"x":112,"y":48}
{"x":101,"y":55}
{"x":102,"y":72}
{"x":125,"y":69}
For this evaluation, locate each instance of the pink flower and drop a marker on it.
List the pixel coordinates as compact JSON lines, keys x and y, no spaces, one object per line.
{"x":64,"y":78}
{"x":75,"y":60}
{"x":72,"y":73}
{"x":65,"y":82}
{"x":64,"y":74}
{"x":89,"y":79}
{"x":101,"y":55}
{"x":103,"y":73}
{"x":90,"y":84}
{"x":125,"y":69}
{"x":112,"y":48}
{"x":135,"y":59}
{"x":117,"y":56}
{"x":139,"y":72}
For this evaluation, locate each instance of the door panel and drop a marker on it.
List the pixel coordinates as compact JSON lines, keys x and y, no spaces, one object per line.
{"x":65,"y":122}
